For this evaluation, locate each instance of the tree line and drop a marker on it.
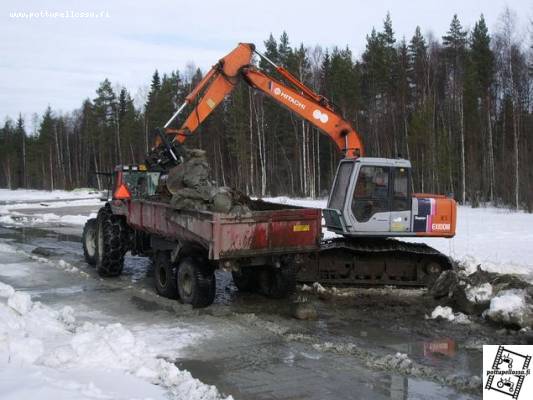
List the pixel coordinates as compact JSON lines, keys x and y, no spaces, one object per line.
{"x":459,"y":107}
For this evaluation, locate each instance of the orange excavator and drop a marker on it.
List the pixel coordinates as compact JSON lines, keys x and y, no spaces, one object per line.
{"x":371,"y":200}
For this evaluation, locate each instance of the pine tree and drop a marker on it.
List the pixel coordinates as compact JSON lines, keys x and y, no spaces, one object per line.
{"x":454,"y":43}
{"x":105,"y":112}
{"x":482,"y":60}
{"x":47,"y":152}
{"x":20,"y":137}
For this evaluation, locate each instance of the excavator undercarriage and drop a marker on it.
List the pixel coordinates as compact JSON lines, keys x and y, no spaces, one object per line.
{"x":374,"y":262}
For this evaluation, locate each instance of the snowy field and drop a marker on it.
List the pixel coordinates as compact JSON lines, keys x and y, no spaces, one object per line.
{"x":14,"y":203}
{"x":497,"y":239}
{"x":32,"y":196}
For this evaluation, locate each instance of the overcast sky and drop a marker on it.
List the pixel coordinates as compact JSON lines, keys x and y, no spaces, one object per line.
{"x":60,"y":61}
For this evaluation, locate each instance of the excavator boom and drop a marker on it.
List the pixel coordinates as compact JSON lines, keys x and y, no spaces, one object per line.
{"x":224,"y":76}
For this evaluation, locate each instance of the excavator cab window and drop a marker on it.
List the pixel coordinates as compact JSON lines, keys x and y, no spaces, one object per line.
{"x":400,"y":189}
{"x":371,"y":193}
{"x":342,"y":181}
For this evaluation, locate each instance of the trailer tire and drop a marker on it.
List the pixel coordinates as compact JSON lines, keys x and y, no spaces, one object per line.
{"x":89,"y":241}
{"x":165,"y":278}
{"x":245,"y":279}
{"x":278,"y":283}
{"x":111,"y":243}
{"x":196,"y":282}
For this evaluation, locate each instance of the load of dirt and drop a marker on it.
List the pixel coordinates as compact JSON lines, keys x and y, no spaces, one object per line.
{"x":503,"y":299}
{"x":191,"y":188}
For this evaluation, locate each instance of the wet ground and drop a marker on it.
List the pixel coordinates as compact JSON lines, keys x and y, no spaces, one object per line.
{"x":251,"y":347}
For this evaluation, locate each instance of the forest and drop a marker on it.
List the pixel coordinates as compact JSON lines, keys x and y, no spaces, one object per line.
{"x":460,"y":107}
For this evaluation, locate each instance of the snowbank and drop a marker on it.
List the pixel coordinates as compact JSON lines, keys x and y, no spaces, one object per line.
{"x":45,"y":354}
{"x":511,"y":308}
{"x":17,"y":219}
{"x":498,"y":239}
{"x":48,"y":204}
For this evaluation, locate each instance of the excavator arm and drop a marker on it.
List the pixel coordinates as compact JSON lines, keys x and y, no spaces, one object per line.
{"x":224,"y":76}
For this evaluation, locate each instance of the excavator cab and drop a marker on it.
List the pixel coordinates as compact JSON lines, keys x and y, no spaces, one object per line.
{"x":373,"y":197}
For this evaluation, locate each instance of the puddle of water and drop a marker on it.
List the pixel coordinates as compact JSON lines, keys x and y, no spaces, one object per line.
{"x":442,"y":353}
{"x":297,"y":376}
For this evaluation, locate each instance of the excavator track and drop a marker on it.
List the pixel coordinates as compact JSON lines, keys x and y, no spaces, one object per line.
{"x":374,"y":262}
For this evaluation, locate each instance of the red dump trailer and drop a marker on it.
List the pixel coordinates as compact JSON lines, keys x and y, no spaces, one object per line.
{"x":262,"y":248}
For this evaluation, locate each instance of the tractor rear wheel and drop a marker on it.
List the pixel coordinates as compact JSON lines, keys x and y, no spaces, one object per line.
{"x":111,"y":243}
{"x":89,"y":241}
{"x":196,"y":282}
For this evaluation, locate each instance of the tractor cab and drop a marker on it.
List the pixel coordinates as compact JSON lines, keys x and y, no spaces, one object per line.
{"x":134,"y":181}
{"x":374,"y":197}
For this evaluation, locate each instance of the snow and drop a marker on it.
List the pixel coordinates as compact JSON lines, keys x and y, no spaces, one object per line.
{"x":6,"y":207}
{"x":479,"y":294}
{"x":6,"y":290}
{"x":498,"y":239}
{"x":15,"y":203}
{"x":448,"y":314}
{"x":26,"y":195}
{"x":46,"y":354}
{"x":18,"y":219}
{"x":510,"y":307}
{"x":318,"y":288}
{"x":20,"y":302}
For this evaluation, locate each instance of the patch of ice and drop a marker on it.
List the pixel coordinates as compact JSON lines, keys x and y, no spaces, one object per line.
{"x":510,"y":307}
{"x":479,"y":294}
{"x":6,"y":290}
{"x":20,"y":302}
{"x":306,"y":288}
{"x":448,"y":314}
{"x":318,"y":288}
{"x":66,"y":315}
{"x":6,"y":248}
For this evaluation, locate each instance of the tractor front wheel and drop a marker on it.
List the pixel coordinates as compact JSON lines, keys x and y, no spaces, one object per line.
{"x":111,"y":243}
{"x":89,"y":241}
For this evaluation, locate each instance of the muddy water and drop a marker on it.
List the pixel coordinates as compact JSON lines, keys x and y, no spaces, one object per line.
{"x":249,"y":346}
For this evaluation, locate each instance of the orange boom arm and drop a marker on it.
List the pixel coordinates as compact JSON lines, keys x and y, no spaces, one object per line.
{"x":222,"y":78}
